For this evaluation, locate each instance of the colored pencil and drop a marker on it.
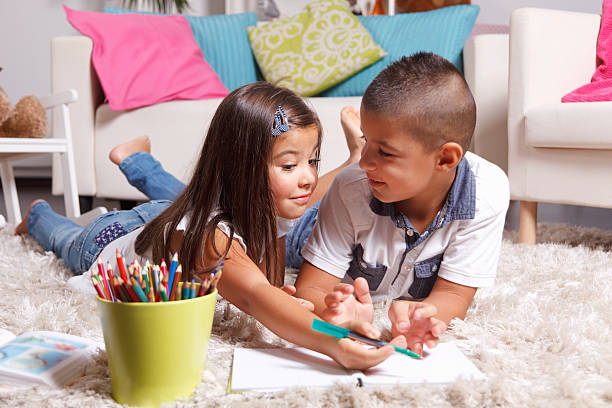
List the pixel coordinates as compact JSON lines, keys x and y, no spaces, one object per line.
{"x":192,"y":290}
{"x":172,"y":272}
{"x":155,"y":275}
{"x":97,"y":287}
{"x":121,"y":265}
{"x":147,"y":272}
{"x":99,"y":280}
{"x":117,"y":289}
{"x":137,"y":270}
{"x":185,"y":290}
{"x":145,"y":284}
{"x":111,"y":284}
{"x":138,"y":290}
{"x":177,"y":279}
{"x":150,"y":283}
{"x":179,"y":293}
{"x":164,"y":269}
{"x":165,"y":281}
{"x":128,"y":288}
{"x":104,"y":279}
{"x":215,"y":278}
{"x":204,"y":286}
{"x":162,"y":291}
{"x":125,"y":294}
{"x":111,"y":276}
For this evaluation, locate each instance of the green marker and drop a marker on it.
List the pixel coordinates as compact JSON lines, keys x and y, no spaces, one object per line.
{"x":341,"y":332}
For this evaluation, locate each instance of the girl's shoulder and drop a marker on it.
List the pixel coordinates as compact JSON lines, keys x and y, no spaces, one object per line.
{"x":226,"y":230}
{"x":221,"y":226}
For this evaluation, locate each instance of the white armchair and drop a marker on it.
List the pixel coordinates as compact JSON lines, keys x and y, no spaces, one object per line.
{"x":557,"y":152}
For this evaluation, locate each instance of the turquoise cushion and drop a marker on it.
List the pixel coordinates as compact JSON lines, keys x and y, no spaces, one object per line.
{"x":443,"y":32}
{"x":224,"y":41}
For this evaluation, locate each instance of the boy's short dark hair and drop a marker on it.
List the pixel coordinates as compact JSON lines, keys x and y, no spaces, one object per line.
{"x":429,"y":95}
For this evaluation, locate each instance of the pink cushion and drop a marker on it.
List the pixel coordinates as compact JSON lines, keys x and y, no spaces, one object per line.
{"x":142,"y":60}
{"x":600,"y":87}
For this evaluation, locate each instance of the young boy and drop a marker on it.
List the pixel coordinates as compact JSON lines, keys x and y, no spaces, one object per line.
{"x":418,"y":219}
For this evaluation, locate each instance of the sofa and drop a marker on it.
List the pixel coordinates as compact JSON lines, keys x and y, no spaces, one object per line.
{"x":558,"y":152}
{"x":177,"y":128}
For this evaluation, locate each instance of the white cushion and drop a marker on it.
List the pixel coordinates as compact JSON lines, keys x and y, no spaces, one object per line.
{"x":584,"y":125}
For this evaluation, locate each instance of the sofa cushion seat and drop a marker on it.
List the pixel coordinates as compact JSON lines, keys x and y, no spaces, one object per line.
{"x":556,"y":125}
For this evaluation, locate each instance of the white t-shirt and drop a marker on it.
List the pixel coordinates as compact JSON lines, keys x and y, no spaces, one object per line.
{"x":357,"y":235}
{"x":125,"y":245}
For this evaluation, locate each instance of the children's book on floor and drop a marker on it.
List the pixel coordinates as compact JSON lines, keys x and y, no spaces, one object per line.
{"x":278,"y":368}
{"x":43,"y":357}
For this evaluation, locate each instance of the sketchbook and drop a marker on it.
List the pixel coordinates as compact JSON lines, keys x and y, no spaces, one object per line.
{"x":278,"y":368}
{"x":43,"y":357}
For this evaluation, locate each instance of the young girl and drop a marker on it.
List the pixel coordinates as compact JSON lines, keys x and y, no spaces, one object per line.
{"x":259,"y":161}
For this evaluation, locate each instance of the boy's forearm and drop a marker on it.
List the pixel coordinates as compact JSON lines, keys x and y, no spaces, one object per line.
{"x":448,"y":307}
{"x":314,"y":295}
{"x":452,"y":300}
{"x":313,"y":284}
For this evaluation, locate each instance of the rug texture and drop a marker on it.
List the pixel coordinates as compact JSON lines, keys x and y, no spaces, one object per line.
{"x":542,"y":334}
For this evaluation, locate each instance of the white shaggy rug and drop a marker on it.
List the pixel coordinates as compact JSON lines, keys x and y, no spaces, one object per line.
{"x":542,"y":335}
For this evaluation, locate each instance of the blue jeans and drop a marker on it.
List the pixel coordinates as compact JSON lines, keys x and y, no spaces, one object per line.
{"x":145,"y":173}
{"x":297,"y":236}
{"x":78,"y":246}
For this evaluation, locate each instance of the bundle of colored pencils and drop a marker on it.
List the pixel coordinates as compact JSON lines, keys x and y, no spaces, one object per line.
{"x":151,"y":283}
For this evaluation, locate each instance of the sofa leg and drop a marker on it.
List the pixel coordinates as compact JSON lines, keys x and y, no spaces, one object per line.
{"x":528,"y":218}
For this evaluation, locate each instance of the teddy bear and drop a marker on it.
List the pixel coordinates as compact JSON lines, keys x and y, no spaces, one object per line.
{"x":26,"y":119}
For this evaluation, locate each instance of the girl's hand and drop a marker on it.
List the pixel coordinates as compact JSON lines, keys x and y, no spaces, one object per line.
{"x":342,"y":306}
{"x":355,"y":356}
{"x":290,"y":290}
{"x":416,"y":322}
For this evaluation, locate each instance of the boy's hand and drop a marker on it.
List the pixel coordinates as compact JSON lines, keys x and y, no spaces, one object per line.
{"x":290,"y":290}
{"x":416,"y":322}
{"x":342,"y":306}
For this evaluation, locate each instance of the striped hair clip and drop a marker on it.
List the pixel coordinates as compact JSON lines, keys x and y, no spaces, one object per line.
{"x":280,"y":122}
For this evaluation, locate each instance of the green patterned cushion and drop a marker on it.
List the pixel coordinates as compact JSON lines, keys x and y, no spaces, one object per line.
{"x":315,"y":49}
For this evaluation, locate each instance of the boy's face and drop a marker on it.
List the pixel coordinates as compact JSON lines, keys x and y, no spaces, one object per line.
{"x":293,"y":170}
{"x":398,"y":167}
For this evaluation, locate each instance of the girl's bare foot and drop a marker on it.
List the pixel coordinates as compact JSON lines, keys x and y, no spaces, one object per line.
{"x":22,"y":228}
{"x":120,"y":152}
{"x":351,"y":124}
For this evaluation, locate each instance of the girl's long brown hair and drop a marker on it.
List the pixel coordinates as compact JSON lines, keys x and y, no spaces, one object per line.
{"x":230,"y":182}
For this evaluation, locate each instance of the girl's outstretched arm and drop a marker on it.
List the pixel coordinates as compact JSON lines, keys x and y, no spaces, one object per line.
{"x":244,"y":285}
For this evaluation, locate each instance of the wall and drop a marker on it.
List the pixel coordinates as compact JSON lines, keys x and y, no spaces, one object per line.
{"x":499,"y":11}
